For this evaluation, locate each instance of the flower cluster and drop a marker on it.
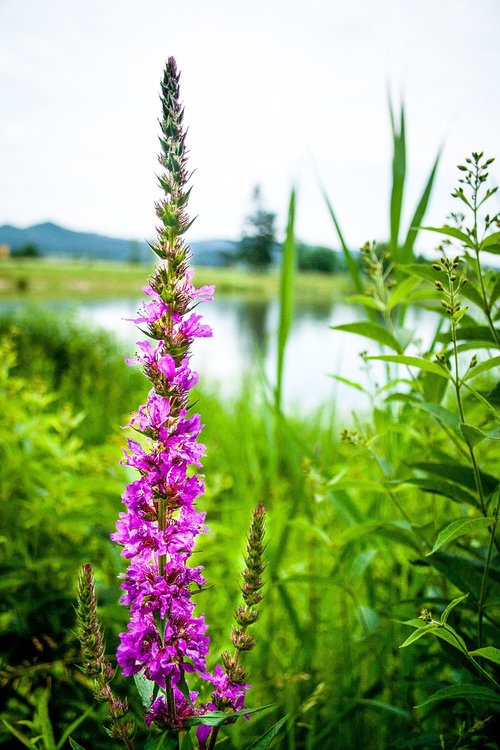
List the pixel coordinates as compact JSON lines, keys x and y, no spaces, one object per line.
{"x":166,"y":639}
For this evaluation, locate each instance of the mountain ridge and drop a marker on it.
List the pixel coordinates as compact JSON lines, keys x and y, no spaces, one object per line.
{"x":53,"y":240}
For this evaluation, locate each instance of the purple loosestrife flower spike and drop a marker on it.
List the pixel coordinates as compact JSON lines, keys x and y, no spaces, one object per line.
{"x":165,"y":639}
{"x":94,"y":662}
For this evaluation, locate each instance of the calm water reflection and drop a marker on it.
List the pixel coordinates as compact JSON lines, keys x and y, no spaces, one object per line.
{"x":244,"y":341}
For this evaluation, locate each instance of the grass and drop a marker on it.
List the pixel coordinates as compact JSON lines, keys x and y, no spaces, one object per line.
{"x":78,"y":280}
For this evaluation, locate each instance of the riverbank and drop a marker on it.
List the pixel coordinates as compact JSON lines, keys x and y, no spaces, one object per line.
{"x":34,"y":280}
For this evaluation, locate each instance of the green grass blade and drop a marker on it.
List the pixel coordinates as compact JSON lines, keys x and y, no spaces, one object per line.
{"x":287,"y":283}
{"x":351,"y":263}
{"x":407,"y":255}
{"x":265,"y":740}
{"x":398,"y":180}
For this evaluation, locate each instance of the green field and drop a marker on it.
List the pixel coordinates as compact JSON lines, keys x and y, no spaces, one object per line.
{"x":36,"y":280}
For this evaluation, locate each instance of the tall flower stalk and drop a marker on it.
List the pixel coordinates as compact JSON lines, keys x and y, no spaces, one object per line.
{"x":166,"y":640}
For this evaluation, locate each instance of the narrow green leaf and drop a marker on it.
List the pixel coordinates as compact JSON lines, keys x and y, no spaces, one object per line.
{"x":19,"y":735}
{"x":442,"y":633}
{"x":351,"y":263}
{"x":382,"y":706}
{"x":471,"y":292}
{"x":460,"y":528}
{"x":398,"y":180}
{"x":364,"y":299}
{"x":452,"y":232}
{"x":403,"y":290}
{"x":71,"y":728}
{"x":492,"y":243}
{"x":455,"y":472}
{"x":468,"y":691}
{"x":472,"y":333}
{"x":447,"y":417}
{"x":472,"y":435}
{"x":422,"y":364}
{"x":418,"y":634}
{"x":466,"y":573}
{"x":418,"y":216}
{"x":451,"y":606}
{"x":287,"y":282}
{"x":217,"y":718}
{"x":482,"y":367}
{"x":265,"y":740}
{"x":421,"y":270}
{"x":445,"y":488}
{"x":372,"y":331}
{"x":488,"y":652}
{"x":75,"y":745}
{"x":350,"y":383}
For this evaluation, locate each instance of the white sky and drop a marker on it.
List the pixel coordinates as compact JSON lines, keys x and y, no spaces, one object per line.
{"x":276,"y":92}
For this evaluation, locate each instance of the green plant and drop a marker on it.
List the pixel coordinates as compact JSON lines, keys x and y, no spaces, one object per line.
{"x":444,"y":401}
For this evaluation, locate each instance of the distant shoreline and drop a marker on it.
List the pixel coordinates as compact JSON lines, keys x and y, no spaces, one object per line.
{"x":42,"y":279}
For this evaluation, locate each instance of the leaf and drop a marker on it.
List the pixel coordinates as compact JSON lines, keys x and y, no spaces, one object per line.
{"x":434,"y":387}
{"x":452,"y":232}
{"x":471,"y":333}
{"x":472,"y":293}
{"x":418,"y":216}
{"x":487,"y":652}
{"x":364,"y":299}
{"x":455,"y":472}
{"x":265,"y":740}
{"x":422,"y":364}
{"x":445,"y":488}
{"x":472,"y":435}
{"x":145,"y":688}
{"x":371,"y":703}
{"x":447,"y":417}
{"x":19,"y":735}
{"x":350,"y":383}
{"x":348,"y":256}
{"x":482,"y":367}
{"x":402,"y":291}
{"x":287,"y":282}
{"x":398,"y":179}
{"x":421,"y":270}
{"x":74,"y":724}
{"x":372,"y":331}
{"x":460,"y":528}
{"x":441,"y":633}
{"x":165,"y":741}
{"x":466,"y":690}
{"x":492,"y":243}
{"x":466,"y":573}
{"x":75,"y":745}
{"x":418,"y":634}
{"x":451,"y":606}
{"x":217,"y":718}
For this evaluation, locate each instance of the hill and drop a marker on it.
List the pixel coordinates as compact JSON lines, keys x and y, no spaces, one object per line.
{"x":56,"y":241}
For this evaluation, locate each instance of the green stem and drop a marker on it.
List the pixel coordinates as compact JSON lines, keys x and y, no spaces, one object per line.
{"x":213,"y":738}
{"x":484,"y":581}
{"x":470,"y":658}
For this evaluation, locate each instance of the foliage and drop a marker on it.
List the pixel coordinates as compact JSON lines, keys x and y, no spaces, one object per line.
{"x":30,"y":250}
{"x":257,"y":243}
{"x":321,"y":259}
{"x":445,"y":489}
{"x":76,"y":363}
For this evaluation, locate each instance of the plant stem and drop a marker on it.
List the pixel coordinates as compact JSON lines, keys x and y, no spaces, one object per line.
{"x":213,"y":738}
{"x":484,"y":581}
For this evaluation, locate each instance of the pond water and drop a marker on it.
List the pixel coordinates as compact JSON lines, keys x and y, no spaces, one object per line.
{"x":244,"y":343}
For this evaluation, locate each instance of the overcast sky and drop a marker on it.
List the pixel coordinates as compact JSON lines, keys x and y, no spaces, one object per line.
{"x":276,"y":93}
